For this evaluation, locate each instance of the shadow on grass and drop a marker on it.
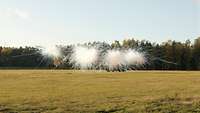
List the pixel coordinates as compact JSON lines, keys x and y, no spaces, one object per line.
{"x":173,"y":105}
{"x":24,"y":109}
{"x":167,"y":104}
{"x":112,"y":110}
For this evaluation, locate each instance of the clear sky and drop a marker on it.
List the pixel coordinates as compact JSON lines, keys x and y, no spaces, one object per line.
{"x":41,"y":22}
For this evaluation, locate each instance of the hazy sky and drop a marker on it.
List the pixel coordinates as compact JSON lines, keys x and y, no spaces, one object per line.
{"x":41,"y":22}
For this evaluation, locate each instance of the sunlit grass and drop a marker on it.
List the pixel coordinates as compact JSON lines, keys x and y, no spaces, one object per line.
{"x":59,"y":91}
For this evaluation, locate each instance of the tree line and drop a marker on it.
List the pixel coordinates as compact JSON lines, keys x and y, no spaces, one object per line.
{"x":170,"y":55}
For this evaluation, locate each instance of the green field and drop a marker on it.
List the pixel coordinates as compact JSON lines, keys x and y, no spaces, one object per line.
{"x":59,"y":91}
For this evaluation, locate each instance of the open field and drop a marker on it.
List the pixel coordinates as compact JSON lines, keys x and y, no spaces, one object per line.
{"x":59,"y":91}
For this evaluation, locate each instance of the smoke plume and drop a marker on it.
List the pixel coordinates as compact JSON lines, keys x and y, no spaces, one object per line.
{"x":84,"y":57}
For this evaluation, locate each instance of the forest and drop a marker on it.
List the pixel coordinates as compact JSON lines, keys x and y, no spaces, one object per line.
{"x":169,"y":55}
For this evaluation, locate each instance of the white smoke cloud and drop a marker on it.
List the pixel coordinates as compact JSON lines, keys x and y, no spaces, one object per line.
{"x":124,"y":58}
{"x":51,"y":51}
{"x":84,"y":57}
{"x":114,"y":58}
{"x":133,"y":57}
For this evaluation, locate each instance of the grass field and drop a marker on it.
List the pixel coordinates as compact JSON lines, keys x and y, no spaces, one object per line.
{"x":59,"y":91}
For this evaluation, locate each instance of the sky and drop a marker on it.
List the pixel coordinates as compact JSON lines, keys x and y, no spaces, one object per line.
{"x":49,"y":22}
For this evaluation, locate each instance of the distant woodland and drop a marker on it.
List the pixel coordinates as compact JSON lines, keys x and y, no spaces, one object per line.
{"x":170,"y":55}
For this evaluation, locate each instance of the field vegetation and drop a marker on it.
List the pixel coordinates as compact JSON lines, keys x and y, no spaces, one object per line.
{"x":60,"y":91}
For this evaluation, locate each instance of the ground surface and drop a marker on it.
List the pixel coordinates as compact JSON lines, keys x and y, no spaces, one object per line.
{"x":57,"y":91}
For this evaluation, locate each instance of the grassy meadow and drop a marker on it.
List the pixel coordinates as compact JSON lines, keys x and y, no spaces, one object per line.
{"x":61,"y":91}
